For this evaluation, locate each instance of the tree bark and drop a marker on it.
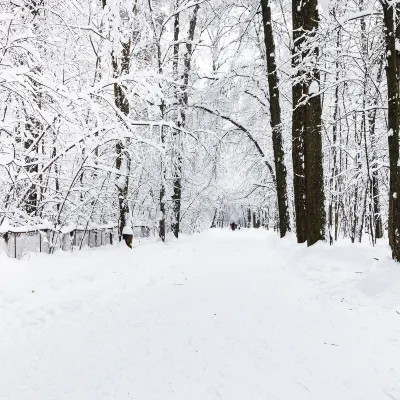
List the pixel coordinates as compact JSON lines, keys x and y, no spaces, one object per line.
{"x":313,"y":143}
{"x":33,"y":127}
{"x":298,"y":125}
{"x":275,"y":118}
{"x":391,"y":16}
{"x":177,"y":161}
{"x":307,"y":120}
{"x":182,"y":102}
{"x":374,"y":182}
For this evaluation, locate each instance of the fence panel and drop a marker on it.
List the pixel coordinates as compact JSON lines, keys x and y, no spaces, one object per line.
{"x":4,"y":242}
{"x":27,"y":242}
{"x":17,"y":244}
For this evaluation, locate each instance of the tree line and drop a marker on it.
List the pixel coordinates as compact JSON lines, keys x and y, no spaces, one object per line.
{"x":185,"y":114}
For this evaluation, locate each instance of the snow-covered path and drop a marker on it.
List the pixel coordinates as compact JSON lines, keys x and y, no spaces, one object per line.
{"x":220,"y":315}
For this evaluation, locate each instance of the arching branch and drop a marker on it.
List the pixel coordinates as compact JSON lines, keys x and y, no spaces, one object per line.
{"x":246,"y":131}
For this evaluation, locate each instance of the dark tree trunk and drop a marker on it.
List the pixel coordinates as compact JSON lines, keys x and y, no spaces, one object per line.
{"x":307,"y":140}
{"x":391,"y":19}
{"x":33,"y":127}
{"x":375,"y":183}
{"x":188,"y":64}
{"x":298,"y":125}
{"x":177,"y":161}
{"x":213,"y":225}
{"x":275,"y":111}
{"x":182,"y":101}
{"x":123,"y":105}
{"x":313,"y":144}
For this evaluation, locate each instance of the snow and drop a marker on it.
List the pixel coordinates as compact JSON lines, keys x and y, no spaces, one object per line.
{"x":7,"y":227}
{"x":324,"y":5}
{"x":361,"y":14}
{"x":219,"y":315}
{"x":313,"y":88}
{"x":127,"y":230}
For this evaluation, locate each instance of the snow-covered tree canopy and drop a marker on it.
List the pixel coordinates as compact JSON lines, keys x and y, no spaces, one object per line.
{"x":185,"y":114}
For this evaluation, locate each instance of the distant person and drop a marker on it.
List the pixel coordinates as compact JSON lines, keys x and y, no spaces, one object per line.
{"x":234,"y":226}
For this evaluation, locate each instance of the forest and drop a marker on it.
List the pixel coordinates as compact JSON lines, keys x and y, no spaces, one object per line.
{"x":181,"y":120}
{"x":181,"y":115}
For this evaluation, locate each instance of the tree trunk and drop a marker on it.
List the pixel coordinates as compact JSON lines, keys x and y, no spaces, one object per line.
{"x":391,"y":14}
{"x":298,"y":125}
{"x":163,"y":172}
{"x":313,"y":143}
{"x":333,"y":182}
{"x":161,"y":230}
{"x":375,"y":183}
{"x":361,"y":222}
{"x":188,"y":64}
{"x":213,"y":225}
{"x":275,"y":118}
{"x":182,"y":103}
{"x":177,"y":161}
{"x":33,"y":127}
{"x":122,"y":161}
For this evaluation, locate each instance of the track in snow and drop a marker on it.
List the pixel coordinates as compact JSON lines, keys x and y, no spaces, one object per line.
{"x":220,"y":315}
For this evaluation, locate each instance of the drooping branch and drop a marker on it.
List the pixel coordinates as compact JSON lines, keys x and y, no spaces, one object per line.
{"x":248,"y":134}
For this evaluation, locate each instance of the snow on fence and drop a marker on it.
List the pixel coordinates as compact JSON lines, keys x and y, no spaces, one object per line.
{"x":16,"y":243}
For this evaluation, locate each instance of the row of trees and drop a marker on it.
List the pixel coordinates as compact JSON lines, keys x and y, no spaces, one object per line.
{"x":182,"y":114}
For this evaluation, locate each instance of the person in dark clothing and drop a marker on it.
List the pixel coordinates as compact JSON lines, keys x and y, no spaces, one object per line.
{"x":234,"y":226}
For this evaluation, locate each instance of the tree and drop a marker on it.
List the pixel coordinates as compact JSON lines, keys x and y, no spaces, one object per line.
{"x":391,"y":18}
{"x":298,"y":123}
{"x":275,"y":118}
{"x":120,"y":66}
{"x":307,"y":124}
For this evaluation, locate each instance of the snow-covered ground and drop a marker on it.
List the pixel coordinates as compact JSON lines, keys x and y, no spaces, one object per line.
{"x":220,"y":315}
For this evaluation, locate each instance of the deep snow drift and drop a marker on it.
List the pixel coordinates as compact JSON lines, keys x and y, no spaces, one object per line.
{"x":220,"y":315}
